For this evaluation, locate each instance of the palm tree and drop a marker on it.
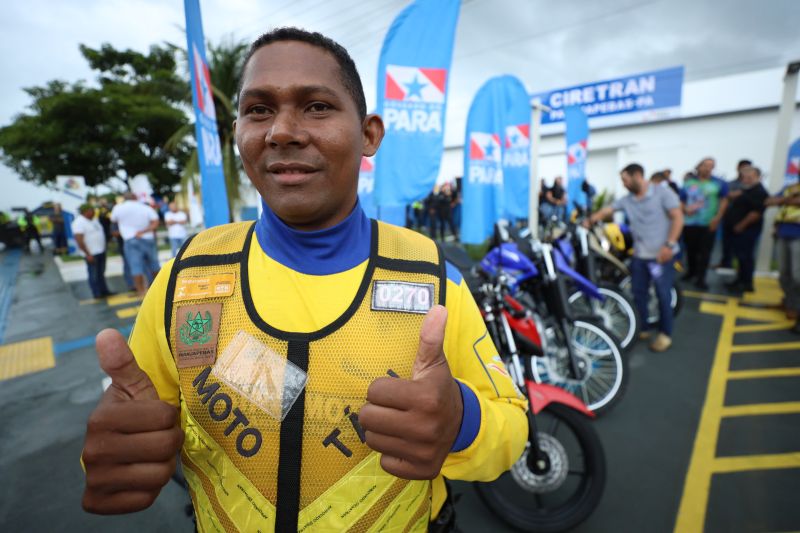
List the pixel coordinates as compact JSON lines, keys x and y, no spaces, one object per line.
{"x":225,"y":61}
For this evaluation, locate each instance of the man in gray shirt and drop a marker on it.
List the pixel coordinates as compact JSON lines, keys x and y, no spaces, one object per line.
{"x":656,"y":220}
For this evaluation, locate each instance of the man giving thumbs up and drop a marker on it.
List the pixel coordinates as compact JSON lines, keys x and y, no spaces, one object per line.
{"x":414,"y":423}
{"x":275,"y":340}
{"x":132,"y":437}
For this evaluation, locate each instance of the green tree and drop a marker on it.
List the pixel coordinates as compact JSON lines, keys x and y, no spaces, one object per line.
{"x":117,"y":129}
{"x":225,"y":61}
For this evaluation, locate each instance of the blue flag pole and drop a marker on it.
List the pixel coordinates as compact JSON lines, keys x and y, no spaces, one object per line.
{"x":209,"y":154}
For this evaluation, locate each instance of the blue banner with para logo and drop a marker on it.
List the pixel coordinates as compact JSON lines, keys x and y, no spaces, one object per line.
{"x":209,"y":154}
{"x":577,"y":149}
{"x":496,"y":160}
{"x":412,"y":99}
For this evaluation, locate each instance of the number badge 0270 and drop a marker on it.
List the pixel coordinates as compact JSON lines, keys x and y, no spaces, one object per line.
{"x":402,"y":296}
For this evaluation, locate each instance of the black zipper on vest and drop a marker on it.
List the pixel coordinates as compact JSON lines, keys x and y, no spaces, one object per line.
{"x":291,"y":450}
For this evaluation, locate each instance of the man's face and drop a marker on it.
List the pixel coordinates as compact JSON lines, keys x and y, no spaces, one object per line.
{"x":300,"y":136}
{"x":173,"y":207}
{"x":88,"y":213}
{"x":705,"y":168}
{"x":749,"y":177}
{"x":632,"y":182}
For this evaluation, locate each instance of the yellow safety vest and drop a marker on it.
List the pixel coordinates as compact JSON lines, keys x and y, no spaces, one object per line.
{"x":789,"y":213}
{"x":249,"y":471}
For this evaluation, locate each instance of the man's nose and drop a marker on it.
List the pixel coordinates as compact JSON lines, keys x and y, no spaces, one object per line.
{"x":287,"y":129}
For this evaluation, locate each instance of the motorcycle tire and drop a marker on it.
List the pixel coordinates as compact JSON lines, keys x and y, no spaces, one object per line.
{"x":616,"y":313}
{"x":537,"y":502}
{"x":600,"y":357}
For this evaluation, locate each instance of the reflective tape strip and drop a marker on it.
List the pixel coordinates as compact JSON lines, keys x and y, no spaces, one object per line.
{"x":345,"y":502}
{"x":404,"y":508}
{"x":244,"y":504}
{"x":204,"y":511}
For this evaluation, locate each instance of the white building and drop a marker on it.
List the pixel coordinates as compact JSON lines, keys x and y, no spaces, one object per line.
{"x":713,"y":120}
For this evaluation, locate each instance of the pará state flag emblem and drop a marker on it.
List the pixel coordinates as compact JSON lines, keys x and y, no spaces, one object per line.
{"x":415,"y":84}
{"x":518,"y":136}
{"x":576,"y":152}
{"x":202,"y":78}
{"x":484,"y":146}
{"x":793,"y":168}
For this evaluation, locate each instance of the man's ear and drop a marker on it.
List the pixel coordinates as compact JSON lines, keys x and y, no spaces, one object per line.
{"x":373,"y":131}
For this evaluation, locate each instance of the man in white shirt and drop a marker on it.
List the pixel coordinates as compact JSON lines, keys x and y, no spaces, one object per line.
{"x":176,"y":227}
{"x":91,"y":242}
{"x":137,"y":224}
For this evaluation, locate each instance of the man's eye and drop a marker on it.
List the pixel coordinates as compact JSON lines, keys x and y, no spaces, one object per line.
{"x":318,"y":107}
{"x":257,"y":110}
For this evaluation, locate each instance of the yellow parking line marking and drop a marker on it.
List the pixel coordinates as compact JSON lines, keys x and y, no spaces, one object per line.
{"x":705,"y":296}
{"x":128,"y":312}
{"x":756,"y":462}
{"x":772,"y":347}
{"x":692,"y":511}
{"x":26,"y":357}
{"x":122,"y":299}
{"x":748,"y":313}
{"x":90,"y":301}
{"x":774,"y":326}
{"x":759,"y":409}
{"x":764,"y":373}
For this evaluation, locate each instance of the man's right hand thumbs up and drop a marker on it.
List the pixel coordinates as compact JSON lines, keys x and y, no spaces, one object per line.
{"x":132,"y":437}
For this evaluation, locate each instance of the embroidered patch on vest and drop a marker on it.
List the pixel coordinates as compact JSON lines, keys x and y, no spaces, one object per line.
{"x":196,"y":337}
{"x":194,"y":288}
{"x":402,"y":296}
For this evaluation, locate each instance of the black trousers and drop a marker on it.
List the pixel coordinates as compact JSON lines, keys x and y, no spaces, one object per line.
{"x":699,"y":241}
{"x":744,"y":248}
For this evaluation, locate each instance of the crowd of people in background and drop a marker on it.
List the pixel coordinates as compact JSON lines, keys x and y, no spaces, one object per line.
{"x":437,"y":212}
{"x":125,"y":225}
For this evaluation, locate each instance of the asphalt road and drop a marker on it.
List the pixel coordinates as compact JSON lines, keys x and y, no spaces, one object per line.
{"x":648,"y":437}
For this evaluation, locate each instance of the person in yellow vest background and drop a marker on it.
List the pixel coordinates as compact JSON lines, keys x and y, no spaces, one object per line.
{"x":787,"y":241}
{"x":316,"y":370}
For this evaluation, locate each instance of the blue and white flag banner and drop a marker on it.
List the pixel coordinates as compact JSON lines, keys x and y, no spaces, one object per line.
{"x":495,"y":183}
{"x":366,"y":187}
{"x":215,"y":198}
{"x":516,"y":147}
{"x":792,"y":164}
{"x":412,"y":99}
{"x":577,"y":147}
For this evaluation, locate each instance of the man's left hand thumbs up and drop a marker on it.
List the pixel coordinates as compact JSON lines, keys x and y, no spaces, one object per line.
{"x":414,"y":423}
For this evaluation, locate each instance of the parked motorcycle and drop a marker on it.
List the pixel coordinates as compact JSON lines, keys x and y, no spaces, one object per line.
{"x":575,"y":353}
{"x":559,"y":479}
{"x":615,"y":311}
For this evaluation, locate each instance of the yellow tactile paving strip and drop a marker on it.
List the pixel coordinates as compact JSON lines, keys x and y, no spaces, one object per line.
{"x":26,"y":357}
{"x":127,"y":312}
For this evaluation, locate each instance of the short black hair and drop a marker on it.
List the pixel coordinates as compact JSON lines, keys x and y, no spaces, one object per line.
{"x":347,"y":67}
{"x":634,"y":168}
{"x":744,"y":162}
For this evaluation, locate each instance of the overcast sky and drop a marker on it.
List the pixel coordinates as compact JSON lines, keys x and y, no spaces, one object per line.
{"x":547,"y":44}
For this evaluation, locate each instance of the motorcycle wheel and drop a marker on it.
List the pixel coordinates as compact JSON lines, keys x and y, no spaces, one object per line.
{"x":616,"y":313}
{"x":567,"y":492}
{"x":604,"y":369}
{"x":676,"y":299}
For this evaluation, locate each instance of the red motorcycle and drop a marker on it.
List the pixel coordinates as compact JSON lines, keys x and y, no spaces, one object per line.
{"x":559,"y":479}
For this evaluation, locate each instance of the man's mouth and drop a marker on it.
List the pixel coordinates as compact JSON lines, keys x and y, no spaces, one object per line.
{"x":290,"y":173}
